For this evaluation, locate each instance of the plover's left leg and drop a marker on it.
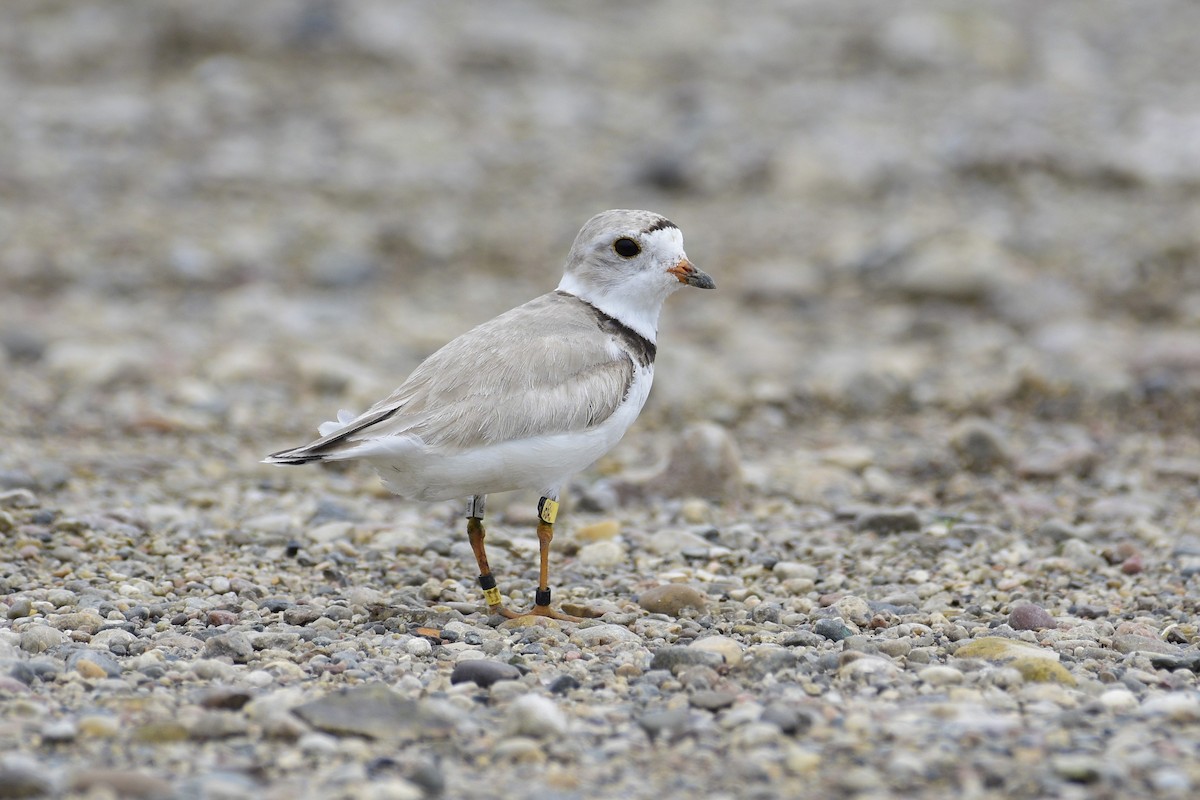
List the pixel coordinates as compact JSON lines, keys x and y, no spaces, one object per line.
{"x":476,"y":534}
{"x":547,"y":513}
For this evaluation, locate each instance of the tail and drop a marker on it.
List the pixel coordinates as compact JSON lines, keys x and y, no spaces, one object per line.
{"x":313,"y":451}
{"x":297,"y":455}
{"x":333,"y":434}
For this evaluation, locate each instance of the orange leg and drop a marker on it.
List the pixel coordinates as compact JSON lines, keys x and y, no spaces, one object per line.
{"x":547,"y":511}
{"x":541,"y":602}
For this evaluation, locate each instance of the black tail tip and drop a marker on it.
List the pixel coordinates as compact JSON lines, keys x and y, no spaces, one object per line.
{"x":288,"y":458}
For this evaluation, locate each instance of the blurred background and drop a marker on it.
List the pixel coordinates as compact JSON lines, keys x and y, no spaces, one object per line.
{"x":221,"y":221}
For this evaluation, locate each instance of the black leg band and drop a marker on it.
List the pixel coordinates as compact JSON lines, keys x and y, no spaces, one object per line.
{"x":487,"y":582}
{"x":541,"y":597}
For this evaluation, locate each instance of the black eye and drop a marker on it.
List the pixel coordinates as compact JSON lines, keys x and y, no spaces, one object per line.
{"x":626,"y":247}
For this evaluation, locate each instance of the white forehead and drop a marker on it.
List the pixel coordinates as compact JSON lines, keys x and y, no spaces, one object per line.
{"x":664,"y":242}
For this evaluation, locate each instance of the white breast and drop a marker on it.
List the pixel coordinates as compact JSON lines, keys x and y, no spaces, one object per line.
{"x":544,"y":463}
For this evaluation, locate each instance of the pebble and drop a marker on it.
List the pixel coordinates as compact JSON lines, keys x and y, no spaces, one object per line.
{"x":519,"y":750}
{"x":21,"y":776}
{"x":1133,"y":643}
{"x":1181,"y":708}
{"x":703,"y":463}
{"x":418,"y":647}
{"x":597,"y":531}
{"x":1041,"y":670}
{"x":40,"y":638}
{"x":121,"y":783}
{"x":853,"y":609}
{"x":787,"y":719}
{"x":675,"y":658}
{"x":371,"y":710}
{"x":536,"y":716}
{"x":20,"y":608}
{"x":218,"y":617}
{"x":234,"y":645}
{"x":61,"y":730}
{"x":832,"y":629}
{"x":605,"y":553}
{"x":94,"y":664}
{"x":1001,"y":650}
{"x":939,"y":675}
{"x":1030,"y":617}
{"x":225,"y":697}
{"x":483,"y":672}
{"x":867,"y":666}
{"x":667,"y":724}
{"x":788,"y":570}
{"x":710,"y":700}
{"x":605,"y":634}
{"x":729,"y":649}
{"x":888,"y":521}
{"x":980,"y":445}
{"x":672,"y":599}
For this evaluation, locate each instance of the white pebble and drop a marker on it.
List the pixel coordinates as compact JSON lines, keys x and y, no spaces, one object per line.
{"x":1119,"y":700}
{"x":536,"y":716}
{"x":609,"y":553}
{"x":260,"y":678}
{"x":730,"y":649}
{"x":939,"y":675}
{"x":418,"y":647}
{"x":219,"y":584}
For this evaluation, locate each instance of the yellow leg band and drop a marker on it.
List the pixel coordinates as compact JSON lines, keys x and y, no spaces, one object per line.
{"x":547,"y":510}
{"x":492,"y":596}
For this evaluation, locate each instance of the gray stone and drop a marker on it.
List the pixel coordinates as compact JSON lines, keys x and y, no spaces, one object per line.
{"x":234,"y":644}
{"x":371,"y":710}
{"x":832,"y":629}
{"x":483,"y":672}
{"x":121,"y":783}
{"x":980,"y":445}
{"x":704,"y":463}
{"x":20,"y":608}
{"x":710,"y":700}
{"x":39,"y":638}
{"x":668,"y":725}
{"x":21,"y":777}
{"x":789,"y":720}
{"x":888,"y":521}
{"x":674,"y":658}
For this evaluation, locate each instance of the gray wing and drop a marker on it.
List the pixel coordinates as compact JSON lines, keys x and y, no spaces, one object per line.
{"x":544,"y":367}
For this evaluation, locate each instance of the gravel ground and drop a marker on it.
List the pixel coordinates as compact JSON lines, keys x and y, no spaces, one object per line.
{"x":911,"y":512}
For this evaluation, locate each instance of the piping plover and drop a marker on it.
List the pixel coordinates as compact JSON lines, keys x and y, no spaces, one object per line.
{"x":531,"y":397}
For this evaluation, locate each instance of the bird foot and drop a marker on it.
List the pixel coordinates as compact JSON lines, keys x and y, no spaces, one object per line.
{"x":536,"y":611}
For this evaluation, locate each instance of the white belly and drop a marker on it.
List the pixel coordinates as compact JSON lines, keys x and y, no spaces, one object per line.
{"x":412,"y":470}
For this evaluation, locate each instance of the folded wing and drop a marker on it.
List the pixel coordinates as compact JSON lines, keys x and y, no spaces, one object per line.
{"x":514,"y":377}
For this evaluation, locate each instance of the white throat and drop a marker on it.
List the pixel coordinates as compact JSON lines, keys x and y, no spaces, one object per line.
{"x":639,"y":312}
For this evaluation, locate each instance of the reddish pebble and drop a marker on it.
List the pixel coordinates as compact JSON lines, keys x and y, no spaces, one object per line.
{"x":1029,"y":617}
{"x":1132,"y":565}
{"x":219,"y":617}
